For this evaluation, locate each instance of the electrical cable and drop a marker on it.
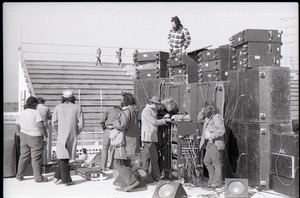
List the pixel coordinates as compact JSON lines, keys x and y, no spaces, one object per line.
{"x":276,"y":168}
{"x":145,"y":89}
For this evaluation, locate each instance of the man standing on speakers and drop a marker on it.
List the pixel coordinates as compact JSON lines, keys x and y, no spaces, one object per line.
{"x":179,"y":38}
{"x":149,"y":135}
{"x":212,"y":138}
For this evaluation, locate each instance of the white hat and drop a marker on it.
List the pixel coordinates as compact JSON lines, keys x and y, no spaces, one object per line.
{"x":68,"y":93}
{"x":155,"y":99}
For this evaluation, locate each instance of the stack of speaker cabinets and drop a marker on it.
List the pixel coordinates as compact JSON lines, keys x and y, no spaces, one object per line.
{"x":214,"y":64}
{"x":183,"y":69}
{"x":254,"y":48}
{"x":151,"y":64}
{"x":258,"y":107}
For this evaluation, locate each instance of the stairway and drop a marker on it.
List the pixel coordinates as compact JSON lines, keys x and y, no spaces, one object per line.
{"x":96,"y":88}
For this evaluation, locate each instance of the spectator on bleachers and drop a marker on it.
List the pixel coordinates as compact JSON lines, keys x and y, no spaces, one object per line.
{"x":98,"y":56}
{"x":119,"y":56}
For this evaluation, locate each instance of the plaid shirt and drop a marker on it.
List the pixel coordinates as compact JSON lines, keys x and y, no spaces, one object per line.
{"x":179,"y":39}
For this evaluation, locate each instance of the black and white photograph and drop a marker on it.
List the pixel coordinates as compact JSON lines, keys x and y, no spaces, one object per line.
{"x":150,"y":99}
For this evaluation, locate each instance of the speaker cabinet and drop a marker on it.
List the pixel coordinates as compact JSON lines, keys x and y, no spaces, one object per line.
{"x":9,"y":156}
{"x":169,"y":189}
{"x":144,"y":89}
{"x":236,"y":187}
{"x":260,"y":94}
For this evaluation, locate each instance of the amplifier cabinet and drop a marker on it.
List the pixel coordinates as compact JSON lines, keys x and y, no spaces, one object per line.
{"x":183,"y":74}
{"x":250,"y":61}
{"x":221,"y":52}
{"x":150,"y":56}
{"x":151,"y":73}
{"x":256,"y":35}
{"x":220,"y":64}
{"x":254,"y":144}
{"x":151,"y":69}
{"x":259,"y":94}
{"x":213,"y":76}
{"x":182,"y":59}
{"x":258,"y":49}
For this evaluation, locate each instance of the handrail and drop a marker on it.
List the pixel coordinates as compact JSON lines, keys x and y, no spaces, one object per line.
{"x":86,"y":53}
{"x":24,"y":67}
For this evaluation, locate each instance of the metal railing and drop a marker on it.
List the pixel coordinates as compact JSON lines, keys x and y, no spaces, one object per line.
{"x":84,"y":53}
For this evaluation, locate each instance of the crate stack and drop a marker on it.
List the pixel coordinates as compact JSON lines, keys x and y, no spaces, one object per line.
{"x":151,"y":64}
{"x":214,"y":64}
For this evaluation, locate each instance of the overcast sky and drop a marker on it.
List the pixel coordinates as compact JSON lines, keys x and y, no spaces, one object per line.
{"x":142,"y":26}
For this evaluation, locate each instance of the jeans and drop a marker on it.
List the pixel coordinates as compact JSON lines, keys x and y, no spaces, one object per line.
{"x":105,"y":147}
{"x":151,"y":148}
{"x":213,"y":162}
{"x":31,"y":146}
{"x":63,"y":171}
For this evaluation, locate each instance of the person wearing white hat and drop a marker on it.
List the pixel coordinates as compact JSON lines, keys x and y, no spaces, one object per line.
{"x":68,"y":122}
{"x":149,"y":135}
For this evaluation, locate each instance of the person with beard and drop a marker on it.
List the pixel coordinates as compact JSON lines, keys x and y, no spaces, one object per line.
{"x":68,"y":122}
{"x":212,"y":139}
{"x":179,"y":38}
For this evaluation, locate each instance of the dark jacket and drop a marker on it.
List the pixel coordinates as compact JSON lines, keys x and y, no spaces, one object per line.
{"x":128,"y":123}
{"x":109,"y":117}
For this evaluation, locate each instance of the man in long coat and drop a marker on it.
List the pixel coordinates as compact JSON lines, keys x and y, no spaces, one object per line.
{"x":68,"y":121}
{"x":128,"y":123}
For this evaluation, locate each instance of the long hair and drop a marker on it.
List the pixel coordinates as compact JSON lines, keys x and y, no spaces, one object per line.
{"x":128,"y":99}
{"x":170,"y":104}
{"x":71,"y":99}
{"x":211,"y":105}
{"x":177,"y":22}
